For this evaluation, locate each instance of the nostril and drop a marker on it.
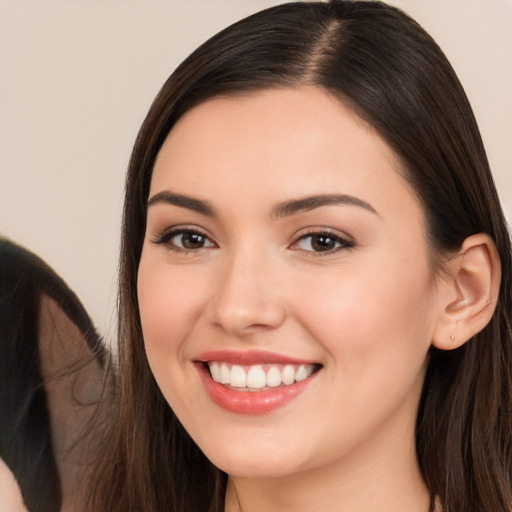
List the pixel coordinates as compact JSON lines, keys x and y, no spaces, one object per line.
{"x":237,"y":318}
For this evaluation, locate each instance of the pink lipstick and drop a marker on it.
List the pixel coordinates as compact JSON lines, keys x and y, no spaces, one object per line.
{"x":253,"y":382}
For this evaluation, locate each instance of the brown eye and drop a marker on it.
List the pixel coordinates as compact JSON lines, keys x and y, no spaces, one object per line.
{"x":322,"y":242}
{"x":185,"y":240}
{"x":190,"y":240}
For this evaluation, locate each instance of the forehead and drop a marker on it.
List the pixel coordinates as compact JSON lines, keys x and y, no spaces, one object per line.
{"x":283,"y":141}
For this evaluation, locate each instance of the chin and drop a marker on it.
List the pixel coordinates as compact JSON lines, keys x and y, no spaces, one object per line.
{"x":254,"y":468}
{"x":253,"y":460}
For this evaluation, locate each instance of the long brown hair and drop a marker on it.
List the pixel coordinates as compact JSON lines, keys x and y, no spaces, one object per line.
{"x":384,"y":66}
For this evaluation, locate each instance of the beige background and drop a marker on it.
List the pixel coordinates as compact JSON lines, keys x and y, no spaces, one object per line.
{"x":77,"y":76}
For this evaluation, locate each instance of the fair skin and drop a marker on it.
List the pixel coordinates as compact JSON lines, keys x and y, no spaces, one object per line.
{"x":244,"y":273}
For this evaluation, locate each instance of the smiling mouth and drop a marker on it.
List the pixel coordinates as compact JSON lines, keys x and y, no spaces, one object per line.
{"x":259,"y":377}
{"x":254,"y":382}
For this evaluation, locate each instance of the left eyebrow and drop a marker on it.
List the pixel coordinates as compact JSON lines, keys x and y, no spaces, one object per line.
{"x":183,"y":201}
{"x":311,"y":202}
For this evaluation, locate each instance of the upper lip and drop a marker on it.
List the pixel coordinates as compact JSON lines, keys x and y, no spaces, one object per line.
{"x":249,"y":357}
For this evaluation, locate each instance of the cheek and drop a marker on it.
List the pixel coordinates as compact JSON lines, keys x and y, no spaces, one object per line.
{"x":169,"y":307}
{"x":381,"y":314}
{"x":375,"y":330}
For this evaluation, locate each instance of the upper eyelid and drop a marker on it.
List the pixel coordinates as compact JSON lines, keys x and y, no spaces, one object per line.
{"x":345,"y":242}
{"x":182,"y":228}
{"x":170,"y":232}
{"x":336,"y":233}
{"x":337,"y":238}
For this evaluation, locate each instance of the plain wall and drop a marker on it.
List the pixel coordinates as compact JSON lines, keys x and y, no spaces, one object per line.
{"x":77,"y":77}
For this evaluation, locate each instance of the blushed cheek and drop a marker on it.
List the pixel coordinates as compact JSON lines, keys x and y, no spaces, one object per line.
{"x":340,"y":319}
{"x":168,"y":305}
{"x":364,"y":317}
{"x":157,"y":311}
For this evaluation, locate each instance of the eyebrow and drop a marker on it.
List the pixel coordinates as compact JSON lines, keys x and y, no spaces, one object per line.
{"x":311,"y":202}
{"x":191,"y":203}
{"x":283,"y":209}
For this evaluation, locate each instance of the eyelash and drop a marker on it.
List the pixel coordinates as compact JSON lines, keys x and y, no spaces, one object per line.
{"x":340,"y":242}
{"x":166,"y":237}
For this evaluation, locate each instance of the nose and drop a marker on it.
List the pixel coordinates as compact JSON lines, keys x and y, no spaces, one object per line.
{"x":248,"y":297}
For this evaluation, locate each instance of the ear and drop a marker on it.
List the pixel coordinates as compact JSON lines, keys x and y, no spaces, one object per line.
{"x":467,"y":292}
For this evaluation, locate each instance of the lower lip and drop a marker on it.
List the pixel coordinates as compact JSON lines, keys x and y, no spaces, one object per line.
{"x":251,"y":402}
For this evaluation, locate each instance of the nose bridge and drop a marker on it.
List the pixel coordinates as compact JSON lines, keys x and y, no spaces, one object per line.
{"x":247,"y":295}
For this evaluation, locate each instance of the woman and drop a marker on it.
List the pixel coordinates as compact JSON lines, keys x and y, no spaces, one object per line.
{"x":315,"y":288}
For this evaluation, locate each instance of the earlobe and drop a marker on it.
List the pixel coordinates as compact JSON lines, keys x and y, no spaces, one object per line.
{"x":468,"y":292}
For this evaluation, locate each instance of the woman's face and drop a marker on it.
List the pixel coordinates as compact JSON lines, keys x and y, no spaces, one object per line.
{"x":285,"y":290}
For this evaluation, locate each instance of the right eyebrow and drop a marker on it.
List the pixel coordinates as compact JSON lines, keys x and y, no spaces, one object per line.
{"x":191,"y":203}
{"x":311,"y":202}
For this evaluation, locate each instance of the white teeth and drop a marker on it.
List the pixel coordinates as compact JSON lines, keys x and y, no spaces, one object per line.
{"x":238,"y":377}
{"x":273,"y":377}
{"x":256,"y":378}
{"x":302,"y":373}
{"x":215,"y":371}
{"x":224,"y":374}
{"x":259,"y":376}
{"x":288,"y":374}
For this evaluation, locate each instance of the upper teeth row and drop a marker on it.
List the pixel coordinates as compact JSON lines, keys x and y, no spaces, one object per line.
{"x":255,"y":377}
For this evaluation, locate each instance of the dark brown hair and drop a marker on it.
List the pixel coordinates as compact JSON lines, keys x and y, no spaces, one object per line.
{"x":391,"y":73}
{"x":27,"y":421}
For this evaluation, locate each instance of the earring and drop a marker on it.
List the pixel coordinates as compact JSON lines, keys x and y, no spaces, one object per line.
{"x":452,"y":338}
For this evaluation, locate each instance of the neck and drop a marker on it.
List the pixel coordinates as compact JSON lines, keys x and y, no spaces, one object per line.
{"x":381,"y":477}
